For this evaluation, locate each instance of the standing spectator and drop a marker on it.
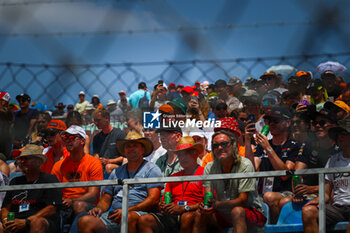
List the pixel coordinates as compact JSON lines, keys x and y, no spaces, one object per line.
{"x":180,"y":213}
{"x":271,"y":79}
{"x":78,"y":166}
{"x":329,"y":80}
{"x":172,"y":93}
{"x":142,"y":197}
{"x":6,"y":121}
{"x":236,"y":203}
{"x":70,"y":108}
{"x":25,"y":119}
{"x":59,"y":109}
{"x":235,"y":87}
{"x":158,"y":150}
{"x":104,"y":143}
{"x":222,"y":90}
{"x":279,"y":153}
{"x":38,"y":132}
{"x":80,"y":106}
{"x":56,"y":149}
{"x":137,"y":95}
{"x":158,"y":97}
{"x":95,"y":101}
{"x":35,"y":210}
{"x":337,"y":186}
{"x":123,"y":102}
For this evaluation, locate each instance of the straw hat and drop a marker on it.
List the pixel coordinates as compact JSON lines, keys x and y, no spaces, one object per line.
{"x":134,"y":136}
{"x":187,"y":143}
{"x":33,"y":150}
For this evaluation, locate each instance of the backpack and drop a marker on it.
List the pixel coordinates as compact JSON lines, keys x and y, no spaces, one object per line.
{"x":144,"y":102}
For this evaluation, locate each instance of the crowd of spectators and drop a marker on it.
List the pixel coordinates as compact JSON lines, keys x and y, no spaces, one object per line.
{"x":265,"y":124}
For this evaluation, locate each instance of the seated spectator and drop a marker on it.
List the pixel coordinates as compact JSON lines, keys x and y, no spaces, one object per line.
{"x":315,"y":153}
{"x":279,"y":153}
{"x":104,"y":143}
{"x":38,"y":132}
{"x":142,"y":197}
{"x":329,"y":80}
{"x":78,"y":166}
{"x":59,"y":109}
{"x":158,"y":150}
{"x":81,"y":105}
{"x":337,"y":188}
{"x":56,"y":149}
{"x":220,"y":110}
{"x":134,"y":120}
{"x":123,"y":103}
{"x":87,"y":115}
{"x":301,"y":125}
{"x":318,"y":94}
{"x":35,"y":210}
{"x":95,"y":101}
{"x":236,"y":203}
{"x":4,"y":179}
{"x":74,"y":118}
{"x":169,"y":163}
{"x":186,"y":196}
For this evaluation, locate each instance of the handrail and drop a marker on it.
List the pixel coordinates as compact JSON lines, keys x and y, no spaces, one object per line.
{"x":126,"y":182}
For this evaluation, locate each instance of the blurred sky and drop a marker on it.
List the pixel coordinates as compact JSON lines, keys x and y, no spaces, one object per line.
{"x":186,"y":30}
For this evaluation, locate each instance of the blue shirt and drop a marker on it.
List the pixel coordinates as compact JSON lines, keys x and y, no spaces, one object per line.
{"x":136,"y":96}
{"x":138,"y":192}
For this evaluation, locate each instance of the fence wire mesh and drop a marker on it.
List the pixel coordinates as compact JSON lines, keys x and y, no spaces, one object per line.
{"x":50,"y":84}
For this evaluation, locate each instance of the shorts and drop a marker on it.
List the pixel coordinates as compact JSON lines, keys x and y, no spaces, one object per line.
{"x":112,"y":226}
{"x":167,"y":222}
{"x":337,"y":213}
{"x":253,"y":217}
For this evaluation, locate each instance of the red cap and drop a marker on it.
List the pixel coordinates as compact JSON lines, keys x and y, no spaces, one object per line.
{"x":229,"y":123}
{"x":171,"y":85}
{"x":188,"y":89}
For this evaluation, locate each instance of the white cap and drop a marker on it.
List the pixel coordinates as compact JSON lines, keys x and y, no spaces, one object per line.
{"x":90,"y":107}
{"x":81,"y":93}
{"x":75,"y":129}
{"x":111,"y":102}
{"x":96,"y":96}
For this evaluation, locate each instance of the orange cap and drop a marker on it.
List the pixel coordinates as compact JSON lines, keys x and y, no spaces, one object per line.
{"x":166,"y":108}
{"x":302,"y":73}
{"x":342,"y":105}
{"x":57,"y":124}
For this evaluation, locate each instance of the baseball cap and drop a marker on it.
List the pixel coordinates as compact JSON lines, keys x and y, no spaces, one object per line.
{"x":279,"y":112}
{"x":180,"y":103}
{"x":188,"y":89}
{"x":344,"y":128}
{"x":122,"y":92}
{"x":220,"y":83}
{"x":111,"y":102}
{"x":268,"y":74}
{"x":250,"y":96}
{"x":330,"y":115}
{"x":5,"y":96}
{"x":233,"y":81}
{"x":56,"y":124}
{"x":96,"y":96}
{"x":75,"y":129}
{"x":23,"y":96}
{"x":166,"y":108}
{"x":171,"y":85}
{"x":229,"y":123}
{"x":337,"y":105}
{"x":269,"y":99}
{"x":81,"y":93}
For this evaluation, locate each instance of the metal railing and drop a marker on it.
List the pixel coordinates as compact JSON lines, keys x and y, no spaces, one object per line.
{"x":127,"y":182}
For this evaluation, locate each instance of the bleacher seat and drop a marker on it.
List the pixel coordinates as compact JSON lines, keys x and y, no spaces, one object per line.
{"x":290,"y":220}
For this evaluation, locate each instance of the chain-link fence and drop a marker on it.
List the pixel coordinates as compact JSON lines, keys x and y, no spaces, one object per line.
{"x":50,"y":84}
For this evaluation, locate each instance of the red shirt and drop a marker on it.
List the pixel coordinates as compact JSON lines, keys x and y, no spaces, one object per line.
{"x":192,"y":192}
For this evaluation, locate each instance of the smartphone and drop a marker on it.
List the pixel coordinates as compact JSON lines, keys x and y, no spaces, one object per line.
{"x":251,"y":118}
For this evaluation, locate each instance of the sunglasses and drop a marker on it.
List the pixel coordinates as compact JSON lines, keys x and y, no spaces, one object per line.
{"x":274,"y":120}
{"x":69,"y":138}
{"x":321,"y":123}
{"x":222,"y":144}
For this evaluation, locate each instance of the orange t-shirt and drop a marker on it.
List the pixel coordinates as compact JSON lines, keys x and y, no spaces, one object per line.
{"x":209,"y":157}
{"x":88,"y":168}
{"x":47,"y":166}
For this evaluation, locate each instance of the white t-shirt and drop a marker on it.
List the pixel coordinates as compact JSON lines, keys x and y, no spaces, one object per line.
{"x":341,"y":182}
{"x":156,"y":154}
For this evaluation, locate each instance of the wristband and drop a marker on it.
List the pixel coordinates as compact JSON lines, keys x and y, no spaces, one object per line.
{"x":269,"y":151}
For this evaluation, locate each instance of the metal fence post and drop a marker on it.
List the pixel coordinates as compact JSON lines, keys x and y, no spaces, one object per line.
{"x":125,"y":209}
{"x":321,"y":204}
